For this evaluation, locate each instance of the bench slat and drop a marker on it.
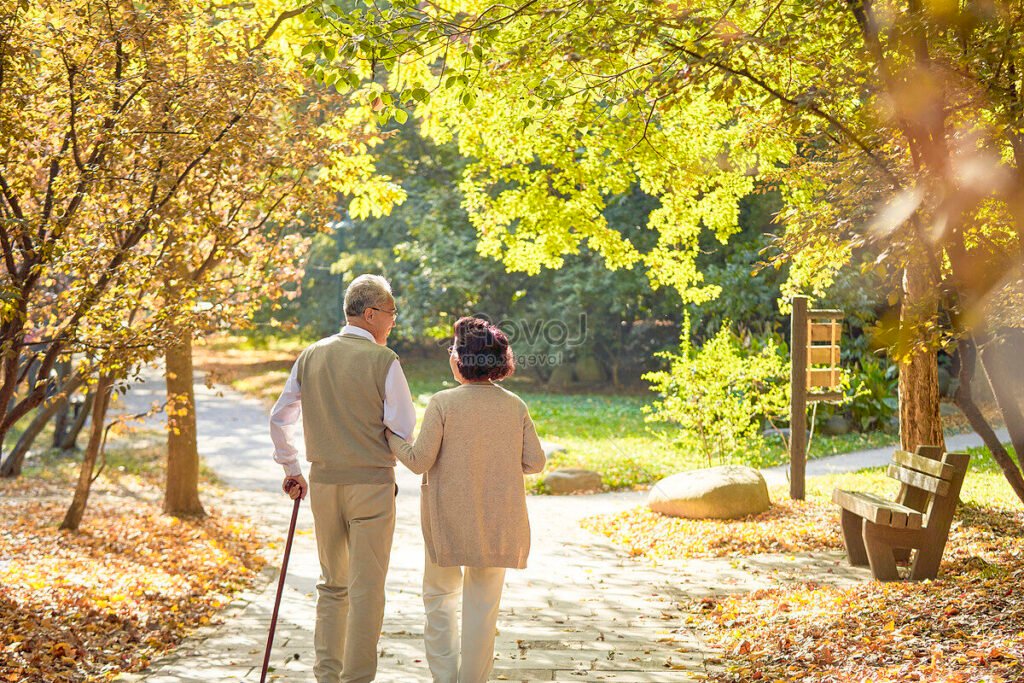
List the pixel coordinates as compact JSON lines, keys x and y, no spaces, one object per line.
{"x":936,"y":468}
{"x":853,"y":502}
{"x":877,"y":509}
{"x":919,"y":480}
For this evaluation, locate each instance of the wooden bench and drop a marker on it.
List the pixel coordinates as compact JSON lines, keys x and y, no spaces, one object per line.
{"x":880,"y":532}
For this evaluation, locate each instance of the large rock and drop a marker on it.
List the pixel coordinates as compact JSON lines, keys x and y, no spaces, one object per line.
{"x":561,"y":377}
{"x":551,"y":448}
{"x":835,"y":425}
{"x":725,"y":492}
{"x":572,"y":481}
{"x":589,"y":370}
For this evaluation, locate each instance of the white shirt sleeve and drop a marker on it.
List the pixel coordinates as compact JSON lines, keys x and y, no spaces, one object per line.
{"x":283,"y":417}
{"x":399,"y":412}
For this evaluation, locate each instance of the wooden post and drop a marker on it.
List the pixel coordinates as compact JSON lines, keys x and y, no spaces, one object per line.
{"x":798,"y":402}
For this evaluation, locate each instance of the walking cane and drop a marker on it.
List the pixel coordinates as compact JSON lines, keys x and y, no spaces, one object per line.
{"x":280,"y":588}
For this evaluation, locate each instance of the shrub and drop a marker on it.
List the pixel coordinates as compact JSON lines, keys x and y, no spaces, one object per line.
{"x":721,"y":392}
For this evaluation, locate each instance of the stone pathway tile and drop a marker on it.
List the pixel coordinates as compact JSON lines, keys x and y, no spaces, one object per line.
{"x":581,"y":611}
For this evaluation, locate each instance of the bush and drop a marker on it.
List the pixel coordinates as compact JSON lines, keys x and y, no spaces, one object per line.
{"x":721,"y":392}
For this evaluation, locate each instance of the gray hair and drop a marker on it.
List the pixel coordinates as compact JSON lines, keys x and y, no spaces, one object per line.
{"x":366,"y":291}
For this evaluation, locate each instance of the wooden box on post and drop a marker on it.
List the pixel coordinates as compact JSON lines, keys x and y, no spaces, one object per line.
{"x":814,"y":365}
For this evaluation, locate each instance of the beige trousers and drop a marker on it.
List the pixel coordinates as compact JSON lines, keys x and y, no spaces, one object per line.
{"x":355,"y":524}
{"x":480,"y":589}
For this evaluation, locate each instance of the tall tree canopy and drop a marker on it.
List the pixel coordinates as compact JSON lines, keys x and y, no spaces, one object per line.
{"x":892,"y":127}
{"x":160,"y":169}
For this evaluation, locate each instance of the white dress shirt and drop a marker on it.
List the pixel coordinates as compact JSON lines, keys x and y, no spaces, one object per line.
{"x":399,"y":412}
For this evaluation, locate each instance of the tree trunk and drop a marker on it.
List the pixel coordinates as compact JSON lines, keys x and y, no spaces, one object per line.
{"x":61,"y":422}
{"x":99,"y":412}
{"x":60,"y":417}
{"x":12,"y":465}
{"x":70,"y":440}
{"x":967,"y":357}
{"x":920,"y":424}
{"x":993,"y":361}
{"x":181,"y":494}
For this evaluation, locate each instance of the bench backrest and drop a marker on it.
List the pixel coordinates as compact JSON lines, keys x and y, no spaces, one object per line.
{"x":936,"y":483}
{"x":915,"y":498}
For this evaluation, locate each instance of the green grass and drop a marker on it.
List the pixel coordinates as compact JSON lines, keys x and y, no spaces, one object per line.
{"x":600,"y":431}
{"x":985,"y":484}
{"x":607,"y":433}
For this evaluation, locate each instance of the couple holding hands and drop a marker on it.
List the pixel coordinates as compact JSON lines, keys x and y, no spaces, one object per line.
{"x":473,"y":448}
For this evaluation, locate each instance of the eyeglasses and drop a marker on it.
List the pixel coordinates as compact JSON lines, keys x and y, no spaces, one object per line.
{"x":393,"y":313}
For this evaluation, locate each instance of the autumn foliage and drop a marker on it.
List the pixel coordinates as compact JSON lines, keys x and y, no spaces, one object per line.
{"x":966,"y":626}
{"x":88,"y":605}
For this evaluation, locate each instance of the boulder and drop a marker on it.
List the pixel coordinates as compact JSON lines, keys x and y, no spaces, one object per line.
{"x":726,"y":492}
{"x":572,"y":481}
{"x":589,"y":370}
{"x":835,"y":425}
{"x":561,"y":377}
{"x":551,"y":448}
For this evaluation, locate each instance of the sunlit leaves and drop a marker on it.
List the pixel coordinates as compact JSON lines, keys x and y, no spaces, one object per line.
{"x":789,"y":526}
{"x":86,"y":606}
{"x":966,"y":626}
{"x":168,"y":164}
{"x":720,"y":392}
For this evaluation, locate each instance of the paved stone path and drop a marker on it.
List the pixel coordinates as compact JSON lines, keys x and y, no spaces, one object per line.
{"x":875,"y":457}
{"x":582,"y":611}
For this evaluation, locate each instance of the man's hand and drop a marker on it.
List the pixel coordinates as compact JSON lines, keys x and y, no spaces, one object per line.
{"x":295,"y":487}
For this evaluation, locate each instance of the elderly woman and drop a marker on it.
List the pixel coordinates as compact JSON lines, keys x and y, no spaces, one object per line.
{"x":476,"y":443}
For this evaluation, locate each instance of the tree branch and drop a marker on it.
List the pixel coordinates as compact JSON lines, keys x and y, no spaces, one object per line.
{"x":778,"y":95}
{"x":283,"y":17}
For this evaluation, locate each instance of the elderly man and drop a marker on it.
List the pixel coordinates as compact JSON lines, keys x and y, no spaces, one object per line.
{"x":349,"y":389}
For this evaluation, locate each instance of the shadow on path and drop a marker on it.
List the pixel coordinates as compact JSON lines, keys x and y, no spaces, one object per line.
{"x":582,"y":611}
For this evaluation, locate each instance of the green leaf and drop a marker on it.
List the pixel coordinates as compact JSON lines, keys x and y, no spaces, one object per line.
{"x":401,"y":115}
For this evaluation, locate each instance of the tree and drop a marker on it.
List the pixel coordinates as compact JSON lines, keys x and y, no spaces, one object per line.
{"x":427,"y":247}
{"x":176,"y":145}
{"x":892,"y":129}
{"x":721,"y":393}
{"x":47,"y":410}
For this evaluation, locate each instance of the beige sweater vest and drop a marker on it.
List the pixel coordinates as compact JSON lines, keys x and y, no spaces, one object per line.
{"x":342,"y":381}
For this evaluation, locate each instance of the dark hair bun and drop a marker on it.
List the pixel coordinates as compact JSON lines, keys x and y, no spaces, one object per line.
{"x":483,"y":349}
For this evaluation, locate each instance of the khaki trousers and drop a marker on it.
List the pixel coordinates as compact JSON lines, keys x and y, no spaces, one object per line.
{"x":480,"y":589}
{"x":355,"y":524}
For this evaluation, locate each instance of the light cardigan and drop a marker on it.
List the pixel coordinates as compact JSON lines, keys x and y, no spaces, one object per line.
{"x":476,"y":443}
